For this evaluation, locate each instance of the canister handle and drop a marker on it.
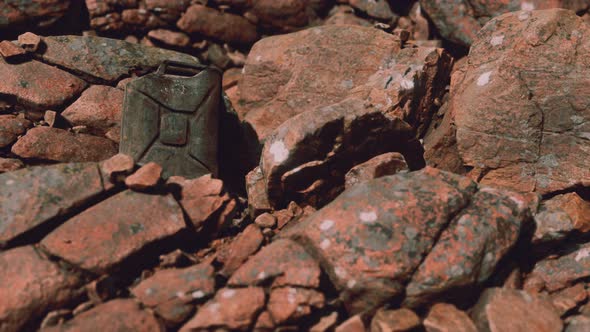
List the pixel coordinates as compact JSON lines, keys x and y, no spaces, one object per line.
{"x":183,"y":67}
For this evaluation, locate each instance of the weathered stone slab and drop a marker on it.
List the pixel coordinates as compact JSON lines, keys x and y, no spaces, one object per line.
{"x":31,"y":197}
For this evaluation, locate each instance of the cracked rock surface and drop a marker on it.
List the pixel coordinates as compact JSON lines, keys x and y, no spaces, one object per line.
{"x":372,"y":177}
{"x":525,"y":123}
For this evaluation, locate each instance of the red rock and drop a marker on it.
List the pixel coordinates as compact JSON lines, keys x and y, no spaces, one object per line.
{"x":9,"y":164}
{"x":49,"y":118}
{"x":294,"y":172}
{"x":399,"y":320}
{"x":239,"y":250}
{"x":288,"y":304}
{"x":115,"y":315}
{"x":292,"y":214}
{"x":102,"y":289}
{"x":275,"y":85}
{"x":36,"y":86}
{"x":257,"y":197}
{"x":326,"y":323}
{"x":569,"y":298}
{"x":202,"y":199}
{"x":578,"y":323}
{"x":266,"y":220}
{"x":468,"y":251}
{"x":510,"y":310}
{"x":283,"y":262}
{"x":557,"y":273}
{"x":444,"y":317}
{"x":378,"y":9}
{"x":106,"y":60}
{"x":372,"y":237}
{"x":103,"y":236}
{"x":231,"y":77}
{"x":264,"y":322}
{"x":284,"y":14}
{"x":508,"y":107}
{"x":175,"y":312}
{"x":230,"y":309}
{"x":561,"y":215}
{"x":385,"y":164}
{"x":171,"y":38}
{"x":41,"y":13}
{"x":145,"y":178}
{"x":344,"y":15}
{"x":9,"y":50}
{"x":55,"y":317}
{"x":31,"y":285}
{"x":459,"y":21}
{"x":140,"y":19}
{"x":109,"y":22}
{"x":440,"y":143}
{"x":117,"y":166}
{"x":187,"y":284}
{"x":214,"y":24}
{"x":31,"y":197}
{"x":56,"y":144}
{"x":29,"y":41}
{"x":11,"y":127}
{"x":99,"y":108}
{"x":353,"y":324}
{"x":167,"y":10}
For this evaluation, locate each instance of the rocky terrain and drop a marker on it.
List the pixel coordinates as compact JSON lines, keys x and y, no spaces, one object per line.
{"x":383,"y":166}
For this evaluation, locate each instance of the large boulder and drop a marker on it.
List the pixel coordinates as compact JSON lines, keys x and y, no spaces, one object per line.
{"x":469,"y":250}
{"x":460,"y":20}
{"x":511,"y":310}
{"x":115,"y":315}
{"x":35,"y":86}
{"x":31,"y":286}
{"x":99,"y":108}
{"x":41,"y":13}
{"x":54,"y":144}
{"x":290,"y":74}
{"x":101,"y":238}
{"x":307,"y":157}
{"x":211,"y":23}
{"x":373,"y":238}
{"x":33,"y":198}
{"x":105,"y":60}
{"x":520,"y":102}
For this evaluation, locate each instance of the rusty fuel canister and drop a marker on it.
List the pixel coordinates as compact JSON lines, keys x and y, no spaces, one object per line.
{"x":171,"y":117}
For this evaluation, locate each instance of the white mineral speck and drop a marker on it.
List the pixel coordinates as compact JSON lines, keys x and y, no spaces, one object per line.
{"x":228,"y":294}
{"x":368,"y":217}
{"x":214,"y":307}
{"x":583,"y":253}
{"x":497,"y":40}
{"x":292,"y":295}
{"x":198,"y":294}
{"x":325,"y":244}
{"x":528,"y":6}
{"x":340,"y":272}
{"x":407,"y":84}
{"x":484,"y":78}
{"x":279,"y":151}
{"x":326,"y":225}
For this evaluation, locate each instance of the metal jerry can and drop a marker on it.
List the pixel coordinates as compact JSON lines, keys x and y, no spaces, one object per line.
{"x":171,"y":117}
